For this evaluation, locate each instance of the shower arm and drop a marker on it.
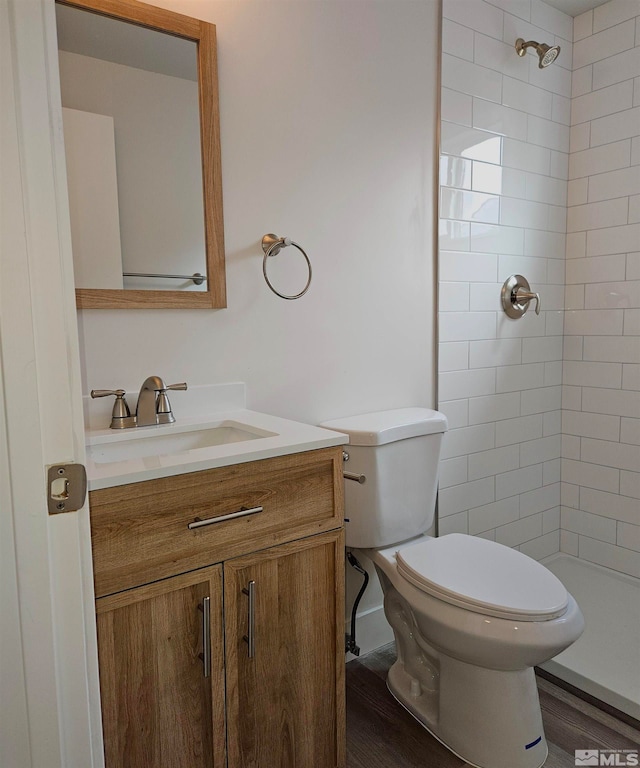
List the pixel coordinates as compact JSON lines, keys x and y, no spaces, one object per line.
{"x":521,"y":46}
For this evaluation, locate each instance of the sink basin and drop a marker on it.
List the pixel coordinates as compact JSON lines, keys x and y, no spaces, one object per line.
{"x":174,"y":443}
{"x":196,"y":443}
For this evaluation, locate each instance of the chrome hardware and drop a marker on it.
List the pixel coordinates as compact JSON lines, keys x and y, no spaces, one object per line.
{"x":524,"y":297}
{"x":66,"y":487}
{"x":153,"y":404}
{"x":352,"y":475}
{"x":250,"y":638}
{"x":205,"y":607}
{"x":121,"y":417}
{"x":163,"y":406}
{"x":197,"y":277}
{"x":198,"y":523}
{"x":515,"y":296}
{"x":146,"y":409}
{"x":547,"y":54}
{"x":272,"y":245}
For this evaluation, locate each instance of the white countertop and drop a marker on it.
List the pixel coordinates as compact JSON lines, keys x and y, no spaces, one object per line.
{"x":288,"y":437}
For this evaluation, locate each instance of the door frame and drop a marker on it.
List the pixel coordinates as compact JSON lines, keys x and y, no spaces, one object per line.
{"x":51,"y":702}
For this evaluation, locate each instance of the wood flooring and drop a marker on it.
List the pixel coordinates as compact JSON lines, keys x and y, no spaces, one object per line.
{"x":382,"y":734}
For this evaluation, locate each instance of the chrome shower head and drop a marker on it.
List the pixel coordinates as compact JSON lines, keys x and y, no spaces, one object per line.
{"x":547,"y":54}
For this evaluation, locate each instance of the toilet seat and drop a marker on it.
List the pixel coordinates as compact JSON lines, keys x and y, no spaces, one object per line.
{"x":483,"y":576}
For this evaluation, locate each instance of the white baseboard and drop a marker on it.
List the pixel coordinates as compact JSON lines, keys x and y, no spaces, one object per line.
{"x":372,"y":630}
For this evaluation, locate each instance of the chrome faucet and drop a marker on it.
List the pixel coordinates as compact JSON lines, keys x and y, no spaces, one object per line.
{"x":153,"y":404}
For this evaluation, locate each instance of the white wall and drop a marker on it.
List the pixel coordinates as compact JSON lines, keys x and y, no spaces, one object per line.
{"x":600,"y":517}
{"x":504,"y":144}
{"x":328,"y":123}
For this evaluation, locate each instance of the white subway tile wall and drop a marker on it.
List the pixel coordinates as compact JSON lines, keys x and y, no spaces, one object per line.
{"x":504,"y":170}
{"x":600,"y":512}
{"x":539,"y":176}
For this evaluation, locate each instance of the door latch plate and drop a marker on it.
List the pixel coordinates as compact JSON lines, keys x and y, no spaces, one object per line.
{"x":66,"y":487}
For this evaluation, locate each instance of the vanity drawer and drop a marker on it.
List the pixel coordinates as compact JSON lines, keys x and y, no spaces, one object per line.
{"x":140,"y":531}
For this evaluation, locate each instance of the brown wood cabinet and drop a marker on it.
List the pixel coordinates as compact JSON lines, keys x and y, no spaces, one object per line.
{"x":158,"y":708}
{"x":284,"y":696}
{"x":275,"y":691}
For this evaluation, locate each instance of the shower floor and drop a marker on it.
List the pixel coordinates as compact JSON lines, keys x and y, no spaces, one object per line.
{"x":605,"y":661}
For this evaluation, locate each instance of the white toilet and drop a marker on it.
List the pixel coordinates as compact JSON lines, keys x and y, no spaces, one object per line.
{"x":471,"y":617}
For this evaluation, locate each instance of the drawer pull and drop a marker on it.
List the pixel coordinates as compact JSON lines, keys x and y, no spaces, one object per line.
{"x":250,"y":637}
{"x":198,"y":523}
{"x":205,"y":607}
{"x":354,"y":476}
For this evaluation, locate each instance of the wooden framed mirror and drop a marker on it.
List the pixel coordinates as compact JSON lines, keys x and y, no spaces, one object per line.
{"x":154,"y":201}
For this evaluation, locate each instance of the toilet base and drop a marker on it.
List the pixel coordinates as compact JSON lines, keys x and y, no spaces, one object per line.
{"x":489,"y":718}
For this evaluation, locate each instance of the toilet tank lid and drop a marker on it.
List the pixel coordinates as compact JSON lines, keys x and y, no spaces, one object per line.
{"x":388,"y":426}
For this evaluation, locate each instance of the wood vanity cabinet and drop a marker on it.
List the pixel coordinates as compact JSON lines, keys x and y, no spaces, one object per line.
{"x":158,"y":708}
{"x":283,"y":704}
{"x":274,"y":582}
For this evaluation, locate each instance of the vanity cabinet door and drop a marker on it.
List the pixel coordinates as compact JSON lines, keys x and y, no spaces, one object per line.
{"x":158,"y":708}
{"x":285,"y":704}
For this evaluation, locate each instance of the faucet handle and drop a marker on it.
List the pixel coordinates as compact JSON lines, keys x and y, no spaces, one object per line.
{"x":106,"y":392}
{"x":524,"y":297}
{"x":121,"y":417}
{"x":163,"y":406}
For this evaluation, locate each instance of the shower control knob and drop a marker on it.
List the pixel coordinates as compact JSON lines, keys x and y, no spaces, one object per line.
{"x":516,"y":296}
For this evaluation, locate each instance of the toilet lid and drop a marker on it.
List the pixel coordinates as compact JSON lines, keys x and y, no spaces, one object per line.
{"x":483,"y":576}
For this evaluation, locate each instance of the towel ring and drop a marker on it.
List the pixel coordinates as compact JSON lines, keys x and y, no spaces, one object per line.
{"x":272,"y":245}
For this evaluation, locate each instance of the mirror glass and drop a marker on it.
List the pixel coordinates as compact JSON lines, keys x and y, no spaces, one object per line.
{"x":132,"y":128}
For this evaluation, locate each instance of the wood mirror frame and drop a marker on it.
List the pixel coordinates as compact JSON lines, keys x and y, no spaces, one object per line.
{"x":204,"y":35}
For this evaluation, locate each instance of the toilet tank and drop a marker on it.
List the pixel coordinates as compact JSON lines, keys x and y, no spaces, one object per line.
{"x":398,"y":453}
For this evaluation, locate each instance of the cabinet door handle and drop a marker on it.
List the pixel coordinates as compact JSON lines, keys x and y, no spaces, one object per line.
{"x":205,"y":607}
{"x":198,"y":523}
{"x":250,"y":637}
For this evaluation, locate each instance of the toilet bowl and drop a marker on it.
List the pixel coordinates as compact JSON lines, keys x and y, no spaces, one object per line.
{"x":467,"y":646}
{"x":471,"y":617}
